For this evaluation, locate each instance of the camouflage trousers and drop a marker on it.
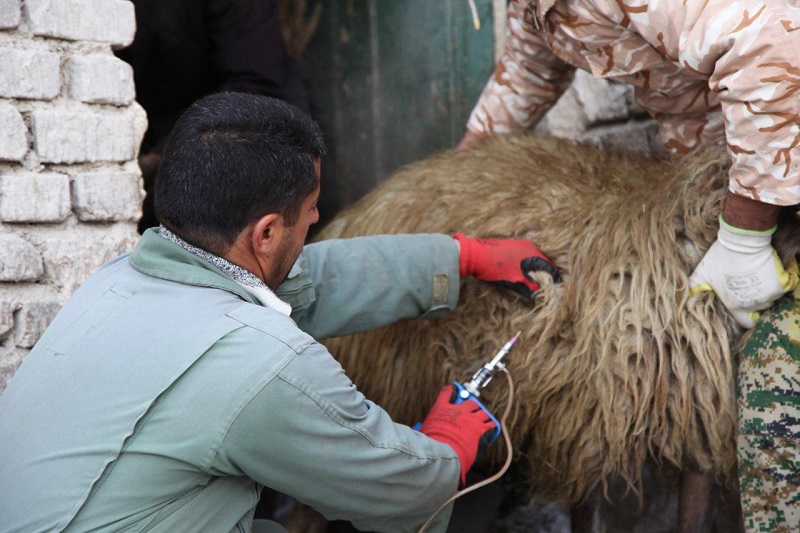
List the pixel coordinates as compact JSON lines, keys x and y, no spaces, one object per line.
{"x":768,"y":391}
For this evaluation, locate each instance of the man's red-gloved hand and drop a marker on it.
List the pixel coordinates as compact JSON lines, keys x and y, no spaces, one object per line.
{"x":464,"y":427}
{"x":504,"y":262}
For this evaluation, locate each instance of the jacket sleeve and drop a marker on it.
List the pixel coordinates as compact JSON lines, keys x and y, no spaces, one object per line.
{"x":749,"y":50}
{"x":345,"y":286}
{"x":248,"y":53}
{"x":310,"y":434}
{"x":527,"y":81}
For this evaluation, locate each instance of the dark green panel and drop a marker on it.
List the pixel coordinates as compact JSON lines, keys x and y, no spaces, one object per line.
{"x":323,"y":106}
{"x":393,"y":81}
{"x":425,"y":75}
{"x":414,"y":84}
{"x":473,"y":62}
{"x":339,"y":68}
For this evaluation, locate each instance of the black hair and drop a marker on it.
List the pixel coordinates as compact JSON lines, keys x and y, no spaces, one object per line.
{"x":232,"y":158}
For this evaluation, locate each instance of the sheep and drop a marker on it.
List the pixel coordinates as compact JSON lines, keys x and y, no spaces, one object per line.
{"x":617,"y":365}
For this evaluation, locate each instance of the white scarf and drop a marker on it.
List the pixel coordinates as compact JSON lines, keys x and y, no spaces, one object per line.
{"x":244,"y":278}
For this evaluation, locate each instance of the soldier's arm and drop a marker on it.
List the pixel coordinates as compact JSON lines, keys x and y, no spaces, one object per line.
{"x":527,"y":81}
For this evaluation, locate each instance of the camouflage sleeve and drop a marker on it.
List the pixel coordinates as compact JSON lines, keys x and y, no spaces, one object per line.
{"x":527,"y":81}
{"x":749,"y":50}
{"x":768,"y":443}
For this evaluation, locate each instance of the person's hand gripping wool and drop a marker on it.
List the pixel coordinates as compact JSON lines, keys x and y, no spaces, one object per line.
{"x":504,"y":262}
{"x":745,"y":272}
{"x":465,"y":427}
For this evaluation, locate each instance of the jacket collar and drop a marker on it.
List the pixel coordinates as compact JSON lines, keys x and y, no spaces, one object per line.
{"x":160,"y":258}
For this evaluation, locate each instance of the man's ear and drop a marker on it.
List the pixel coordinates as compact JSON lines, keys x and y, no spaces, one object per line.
{"x":265,"y":233}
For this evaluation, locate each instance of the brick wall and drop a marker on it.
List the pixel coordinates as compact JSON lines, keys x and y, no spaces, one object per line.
{"x":69,"y":135}
{"x":604,"y":113}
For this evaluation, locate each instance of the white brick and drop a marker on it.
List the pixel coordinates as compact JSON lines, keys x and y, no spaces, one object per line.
{"x":71,"y":256}
{"x":139,"y":123}
{"x":29,"y":74}
{"x":100,"y":79}
{"x":106,"y":196}
{"x":110,"y":21}
{"x":566,"y":119}
{"x":32,"y":320}
{"x":9,"y":13}
{"x":9,"y":363}
{"x":602,"y":100}
{"x":13,"y":134}
{"x":7,"y":308}
{"x":74,"y":137}
{"x":19,"y":261}
{"x":31,"y":197}
{"x":639,"y":137}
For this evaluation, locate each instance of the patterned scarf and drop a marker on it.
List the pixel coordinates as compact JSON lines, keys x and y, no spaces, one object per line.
{"x":246,"y":279}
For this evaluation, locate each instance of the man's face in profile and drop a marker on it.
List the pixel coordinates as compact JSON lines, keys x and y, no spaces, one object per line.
{"x":294,"y":236}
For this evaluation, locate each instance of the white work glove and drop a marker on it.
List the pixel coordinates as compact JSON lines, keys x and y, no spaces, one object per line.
{"x":745,"y":272}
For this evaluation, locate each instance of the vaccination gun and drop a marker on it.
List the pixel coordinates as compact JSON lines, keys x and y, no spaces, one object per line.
{"x":472,"y":390}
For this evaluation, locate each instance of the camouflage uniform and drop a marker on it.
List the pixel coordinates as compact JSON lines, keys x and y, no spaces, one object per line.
{"x":768,"y":388}
{"x":699,"y":67}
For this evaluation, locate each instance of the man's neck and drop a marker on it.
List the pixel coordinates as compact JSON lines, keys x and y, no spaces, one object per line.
{"x":236,"y":272}
{"x":239,"y":255}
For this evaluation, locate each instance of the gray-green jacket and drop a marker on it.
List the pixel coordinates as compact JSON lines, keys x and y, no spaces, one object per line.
{"x":163,"y":396}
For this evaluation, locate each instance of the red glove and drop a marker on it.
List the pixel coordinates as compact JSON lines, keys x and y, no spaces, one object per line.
{"x":504,"y":262}
{"x":464,"y":427}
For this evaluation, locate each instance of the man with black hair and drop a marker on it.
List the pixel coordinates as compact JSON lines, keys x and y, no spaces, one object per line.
{"x":186,"y":49}
{"x":182,"y":378}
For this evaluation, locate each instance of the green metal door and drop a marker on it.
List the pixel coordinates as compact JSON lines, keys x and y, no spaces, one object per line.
{"x":392,"y":81}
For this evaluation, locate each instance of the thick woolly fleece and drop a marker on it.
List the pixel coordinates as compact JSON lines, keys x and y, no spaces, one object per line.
{"x":616,"y":365}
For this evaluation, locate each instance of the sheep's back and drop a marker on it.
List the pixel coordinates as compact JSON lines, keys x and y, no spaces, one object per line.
{"x":617,"y":364}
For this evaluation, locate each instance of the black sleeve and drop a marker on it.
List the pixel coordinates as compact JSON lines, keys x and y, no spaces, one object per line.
{"x":248,"y":53}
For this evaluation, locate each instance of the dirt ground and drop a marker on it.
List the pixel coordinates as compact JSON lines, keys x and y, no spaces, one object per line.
{"x":658,"y":512}
{"x":506,"y":507}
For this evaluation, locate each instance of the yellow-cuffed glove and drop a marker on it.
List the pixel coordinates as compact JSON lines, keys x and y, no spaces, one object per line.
{"x":744,"y":271}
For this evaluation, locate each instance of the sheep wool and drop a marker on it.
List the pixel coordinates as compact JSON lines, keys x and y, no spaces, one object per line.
{"x":616,"y":365}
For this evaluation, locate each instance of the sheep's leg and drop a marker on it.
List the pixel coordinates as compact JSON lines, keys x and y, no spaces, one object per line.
{"x":697,"y":502}
{"x":587,"y":517}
